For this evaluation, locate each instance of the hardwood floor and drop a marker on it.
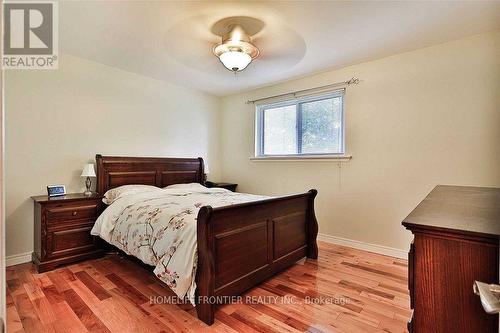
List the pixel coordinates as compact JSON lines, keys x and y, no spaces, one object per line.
{"x":360,"y":291}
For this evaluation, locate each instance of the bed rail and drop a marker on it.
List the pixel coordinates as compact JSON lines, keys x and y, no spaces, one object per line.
{"x":241,"y":245}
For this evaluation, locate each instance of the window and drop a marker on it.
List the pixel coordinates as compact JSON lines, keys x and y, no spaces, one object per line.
{"x":301,"y":126}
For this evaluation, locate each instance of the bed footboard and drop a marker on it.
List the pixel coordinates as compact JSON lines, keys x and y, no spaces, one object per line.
{"x":240,"y":246}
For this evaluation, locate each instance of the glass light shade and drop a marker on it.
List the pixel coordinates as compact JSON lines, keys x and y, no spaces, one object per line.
{"x":235,"y":60}
{"x":88,"y":170}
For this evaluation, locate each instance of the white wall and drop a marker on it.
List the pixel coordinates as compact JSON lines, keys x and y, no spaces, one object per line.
{"x":56,"y":121}
{"x":417,"y":119}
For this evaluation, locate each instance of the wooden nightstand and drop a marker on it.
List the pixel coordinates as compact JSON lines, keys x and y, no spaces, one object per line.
{"x":227,"y":186}
{"x":62,"y":229}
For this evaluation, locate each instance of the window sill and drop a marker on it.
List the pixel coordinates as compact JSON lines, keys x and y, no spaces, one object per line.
{"x":337,"y":158}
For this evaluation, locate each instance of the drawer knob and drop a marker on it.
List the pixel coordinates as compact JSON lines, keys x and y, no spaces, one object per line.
{"x":74,"y":213}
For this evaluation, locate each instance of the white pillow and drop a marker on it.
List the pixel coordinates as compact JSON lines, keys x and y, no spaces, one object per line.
{"x":190,"y":186}
{"x":118,"y":192}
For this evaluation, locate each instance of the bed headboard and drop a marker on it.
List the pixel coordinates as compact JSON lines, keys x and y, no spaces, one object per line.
{"x":113,"y":171}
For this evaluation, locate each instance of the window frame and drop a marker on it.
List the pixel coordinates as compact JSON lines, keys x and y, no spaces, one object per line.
{"x":297,"y":101}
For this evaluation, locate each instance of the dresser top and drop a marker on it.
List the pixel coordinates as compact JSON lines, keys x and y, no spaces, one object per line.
{"x":461,"y":208}
{"x":64,"y":198}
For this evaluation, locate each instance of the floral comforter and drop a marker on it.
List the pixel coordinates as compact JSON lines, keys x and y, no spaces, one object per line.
{"x":159,"y":228}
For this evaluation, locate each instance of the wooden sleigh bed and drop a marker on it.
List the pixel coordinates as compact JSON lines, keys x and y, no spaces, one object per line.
{"x":239,"y":246}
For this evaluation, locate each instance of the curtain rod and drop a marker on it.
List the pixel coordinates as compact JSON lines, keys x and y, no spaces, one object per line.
{"x":353,"y":80}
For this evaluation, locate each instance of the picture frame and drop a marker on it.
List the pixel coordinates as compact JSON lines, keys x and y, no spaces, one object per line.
{"x":56,"y":190}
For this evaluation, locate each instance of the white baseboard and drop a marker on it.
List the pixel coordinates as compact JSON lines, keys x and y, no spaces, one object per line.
{"x":380,"y":249}
{"x":17,"y":259}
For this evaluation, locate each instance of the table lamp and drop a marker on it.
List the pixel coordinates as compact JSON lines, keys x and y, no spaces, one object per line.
{"x":88,"y":171}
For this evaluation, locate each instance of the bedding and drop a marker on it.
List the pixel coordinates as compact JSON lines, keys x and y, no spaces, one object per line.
{"x":159,"y":228}
{"x":189,"y":186}
{"x":115,"y":193}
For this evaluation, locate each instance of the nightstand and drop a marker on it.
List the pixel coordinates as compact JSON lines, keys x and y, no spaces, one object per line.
{"x":227,"y":186}
{"x":62,"y":229}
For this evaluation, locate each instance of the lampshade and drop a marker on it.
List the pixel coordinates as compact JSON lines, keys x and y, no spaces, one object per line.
{"x":236,"y":50}
{"x":206,"y":169}
{"x":88,"y":170}
{"x":235,"y":60}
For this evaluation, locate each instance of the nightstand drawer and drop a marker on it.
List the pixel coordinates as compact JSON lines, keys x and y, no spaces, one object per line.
{"x":67,"y":213}
{"x":70,"y":241}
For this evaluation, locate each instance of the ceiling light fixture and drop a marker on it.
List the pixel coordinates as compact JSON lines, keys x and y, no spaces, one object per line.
{"x":236,"y":50}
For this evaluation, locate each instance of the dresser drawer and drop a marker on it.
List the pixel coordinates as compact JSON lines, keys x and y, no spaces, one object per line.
{"x":69,"y":214}
{"x":69,"y":241}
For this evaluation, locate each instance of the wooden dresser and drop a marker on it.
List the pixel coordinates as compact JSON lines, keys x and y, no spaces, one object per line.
{"x":456,"y":241}
{"x":62,"y":229}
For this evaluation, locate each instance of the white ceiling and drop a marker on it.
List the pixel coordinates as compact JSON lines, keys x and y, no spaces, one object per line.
{"x":171,"y":41}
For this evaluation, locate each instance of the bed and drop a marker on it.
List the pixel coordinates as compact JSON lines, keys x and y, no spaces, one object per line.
{"x":238,"y":245}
